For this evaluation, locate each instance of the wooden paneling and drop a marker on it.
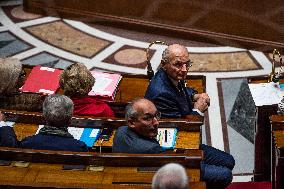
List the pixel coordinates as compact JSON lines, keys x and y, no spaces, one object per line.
{"x":241,"y":23}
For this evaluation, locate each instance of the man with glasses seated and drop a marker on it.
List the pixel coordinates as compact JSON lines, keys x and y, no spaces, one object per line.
{"x":140,"y":134}
{"x":168,"y":92}
{"x":167,"y":88}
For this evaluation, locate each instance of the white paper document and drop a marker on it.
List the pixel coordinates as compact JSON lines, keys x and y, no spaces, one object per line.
{"x":167,"y":137}
{"x":266,"y":93}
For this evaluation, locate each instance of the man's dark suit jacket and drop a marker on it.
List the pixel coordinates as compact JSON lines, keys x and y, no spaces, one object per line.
{"x":169,"y":100}
{"x":41,"y":142}
{"x":127,"y":141}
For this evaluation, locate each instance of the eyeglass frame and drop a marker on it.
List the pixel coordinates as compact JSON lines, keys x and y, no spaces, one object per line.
{"x":188,"y":64}
{"x":150,"y":117}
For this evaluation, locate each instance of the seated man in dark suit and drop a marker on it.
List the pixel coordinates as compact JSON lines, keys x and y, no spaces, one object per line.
{"x":167,"y":88}
{"x":168,"y":92}
{"x":57,"y":111}
{"x":140,"y":137}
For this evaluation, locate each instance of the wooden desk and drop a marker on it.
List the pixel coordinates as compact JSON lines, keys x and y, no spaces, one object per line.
{"x":45,"y":168}
{"x":277,"y":123}
{"x":262,"y":163}
{"x":46,"y":175}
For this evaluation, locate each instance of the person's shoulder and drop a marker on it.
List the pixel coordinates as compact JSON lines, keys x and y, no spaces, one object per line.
{"x":150,"y":146}
{"x":159,"y":85}
{"x":159,"y":76}
{"x":122,"y":129}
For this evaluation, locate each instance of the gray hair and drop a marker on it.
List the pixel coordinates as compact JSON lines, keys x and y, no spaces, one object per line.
{"x":10,"y":69}
{"x":58,"y":110}
{"x":130,"y":111}
{"x":166,"y":55}
{"x":170,"y":176}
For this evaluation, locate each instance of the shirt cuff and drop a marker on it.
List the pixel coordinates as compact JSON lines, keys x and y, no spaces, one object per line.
{"x":3,"y":124}
{"x":198,"y":111}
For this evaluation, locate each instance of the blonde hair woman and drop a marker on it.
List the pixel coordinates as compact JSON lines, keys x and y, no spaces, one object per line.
{"x":77,"y":81}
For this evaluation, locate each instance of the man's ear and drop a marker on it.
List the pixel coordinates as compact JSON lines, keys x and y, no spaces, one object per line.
{"x":163,"y":63}
{"x":131,"y":123}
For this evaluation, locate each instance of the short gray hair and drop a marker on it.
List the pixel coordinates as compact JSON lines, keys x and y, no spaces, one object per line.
{"x":130,"y":111}
{"x":166,"y":55}
{"x":170,"y":176}
{"x":10,"y":69}
{"x":58,"y":110}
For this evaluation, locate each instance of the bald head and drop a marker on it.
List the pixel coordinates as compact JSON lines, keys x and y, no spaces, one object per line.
{"x":172,"y":51}
{"x":143,"y":105}
{"x":137,"y":107}
{"x":175,"y":61}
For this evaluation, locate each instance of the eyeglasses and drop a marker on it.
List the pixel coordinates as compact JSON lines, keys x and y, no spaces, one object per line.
{"x":179,"y":65}
{"x":149,"y":117}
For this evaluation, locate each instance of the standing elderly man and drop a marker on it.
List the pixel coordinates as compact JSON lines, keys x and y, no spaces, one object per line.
{"x":170,"y":176}
{"x":167,"y":88}
{"x":57,"y":111}
{"x":139,"y":137}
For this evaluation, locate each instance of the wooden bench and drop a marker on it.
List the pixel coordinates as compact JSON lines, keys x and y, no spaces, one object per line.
{"x":41,"y":174}
{"x":133,"y":86}
{"x":188,"y":136}
{"x":46,"y":168}
{"x":277,"y":123}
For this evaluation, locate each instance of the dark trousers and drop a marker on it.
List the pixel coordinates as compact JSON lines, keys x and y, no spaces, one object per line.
{"x":216,"y":167}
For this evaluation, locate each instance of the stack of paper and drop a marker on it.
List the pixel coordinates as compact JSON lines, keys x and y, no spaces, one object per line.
{"x":167,"y":137}
{"x":105,"y":85}
{"x":266,"y":93}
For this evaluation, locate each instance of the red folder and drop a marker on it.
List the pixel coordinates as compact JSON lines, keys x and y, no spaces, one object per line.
{"x":42,"y":80}
{"x":105,"y":85}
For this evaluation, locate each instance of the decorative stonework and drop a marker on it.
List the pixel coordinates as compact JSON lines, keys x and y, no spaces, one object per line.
{"x":63,"y":36}
{"x":223,"y":62}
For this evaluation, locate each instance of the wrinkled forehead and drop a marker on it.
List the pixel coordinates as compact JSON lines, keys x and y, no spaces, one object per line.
{"x":179,"y":54}
{"x":145,"y":107}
